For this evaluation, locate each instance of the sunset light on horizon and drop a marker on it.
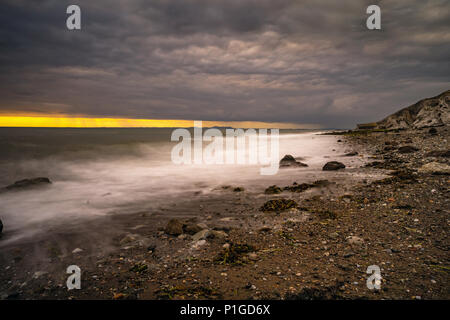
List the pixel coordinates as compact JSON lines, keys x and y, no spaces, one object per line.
{"x":86,"y":122}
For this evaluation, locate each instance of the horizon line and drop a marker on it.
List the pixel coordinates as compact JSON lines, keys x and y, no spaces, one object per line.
{"x":11,"y":121}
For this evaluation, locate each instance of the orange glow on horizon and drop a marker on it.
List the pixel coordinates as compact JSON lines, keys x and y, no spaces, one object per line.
{"x":85,"y":122}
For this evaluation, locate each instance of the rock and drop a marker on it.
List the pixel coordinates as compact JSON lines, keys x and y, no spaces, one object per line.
{"x":77,"y":250}
{"x":351,"y":154}
{"x":1,"y":226}
{"x":198,"y":244}
{"x":432,"y":131}
{"x":407,"y":149}
{"x":129,"y":238}
{"x":39,"y":274}
{"x":253,"y":256}
{"x":226,"y":246}
{"x":238,"y":189}
{"x":435,"y":168}
{"x":192,"y":228}
{"x":333,"y":165}
{"x":200,"y":235}
{"x":203,"y":225}
{"x":265,"y":229}
{"x":217,"y":234}
{"x":26,"y":183}
{"x":279,"y":205}
{"x":298,"y":187}
{"x":333,"y":235}
{"x":289,"y":161}
{"x":355,"y":240}
{"x":439,"y":153}
{"x":118,"y":296}
{"x":273,"y":190}
{"x":139,"y":268}
{"x":174,"y":227}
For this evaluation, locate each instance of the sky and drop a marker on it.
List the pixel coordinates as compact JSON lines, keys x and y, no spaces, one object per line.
{"x":304,"y":62}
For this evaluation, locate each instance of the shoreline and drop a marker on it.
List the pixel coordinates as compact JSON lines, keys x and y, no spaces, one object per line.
{"x":320,"y":250}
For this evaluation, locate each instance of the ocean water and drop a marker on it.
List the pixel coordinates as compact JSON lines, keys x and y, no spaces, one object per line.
{"x":99,"y":172}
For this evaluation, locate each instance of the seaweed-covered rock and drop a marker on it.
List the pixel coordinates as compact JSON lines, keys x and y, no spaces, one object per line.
{"x":279,"y":205}
{"x":289,"y":161}
{"x":333,"y":165}
{"x":234,"y":253}
{"x":174,"y":227}
{"x":26,"y":183}
{"x":298,"y":187}
{"x":273,"y":190}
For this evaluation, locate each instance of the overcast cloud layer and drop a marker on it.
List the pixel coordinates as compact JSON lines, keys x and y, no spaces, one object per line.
{"x":309,"y":61}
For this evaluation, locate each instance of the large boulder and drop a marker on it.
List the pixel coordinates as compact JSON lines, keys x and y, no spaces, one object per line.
{"x":333,"y":165}
{"x":174,"y":227}
{"x":289,"y":161}
{"x":26,"y":183}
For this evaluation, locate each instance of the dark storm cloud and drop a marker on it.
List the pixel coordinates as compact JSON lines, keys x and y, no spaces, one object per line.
{"x":296,"y":61}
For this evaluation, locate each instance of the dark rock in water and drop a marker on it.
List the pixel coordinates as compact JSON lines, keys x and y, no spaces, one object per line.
{"x":273,"y":190}
{"x":174,"y":227}
{"x":305,"y":186}
{"x":299,"y":187}
{"x":351,"y":154}
{"x":279,"y":205}
{"x":407,"y":149}
{"x":1,"y":226}
{"x":432,"y":131}
{"x":26,"y":183}
{"x":238,"y":189}
{"x":333,"y":165}
{"x":289,"y":161}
